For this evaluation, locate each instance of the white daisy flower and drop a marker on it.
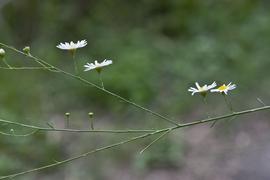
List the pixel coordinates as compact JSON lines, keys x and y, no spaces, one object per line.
{"x":96,"y":65}
{"x":72,"y":46}
{"x":201,"y":89}
{"x":224,"y":88}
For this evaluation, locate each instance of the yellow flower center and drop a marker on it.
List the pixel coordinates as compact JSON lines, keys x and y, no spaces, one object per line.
{"x":223,"y":87}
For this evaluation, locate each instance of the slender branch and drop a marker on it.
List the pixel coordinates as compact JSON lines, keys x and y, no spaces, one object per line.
{"x":6,"y":63}
{"x":132,"y":130}
{"x":18,"y":135}
{"x":39,"y":128}
{"x":80,"y":156}
{"x":101,"y":81}
{"x":53,"y":68}
{"x":135,"y":139}
{"x":25,"y":68}
{"x":120,"y":97}
{"x":153,"y":142}
{"x":228,"y":103}
{"x":260,"y":101}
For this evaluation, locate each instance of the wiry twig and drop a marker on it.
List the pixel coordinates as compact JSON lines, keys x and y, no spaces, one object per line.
{"x":157,"y":139}
{"x":18,"y":135}
{"x":260,"y":101}
{"x":134,"y":139}
{"x":39,"y":128}
{"x":25,"y":68}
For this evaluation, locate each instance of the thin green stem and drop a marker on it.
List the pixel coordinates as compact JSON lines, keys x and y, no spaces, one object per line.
{"x":135,"y":139}
{"x":58,"y":163}
{"x":18,"y":135}
{"x":228,"y":103}
{"x":92,"y":123}
{"x":26,"y":68}
{"x":73,"y":130}
{"x":67,"y":122}
{"x":205,"y":103}
{"x":153,"y":142}
{"x":53,"y":68}
{"x":37,"y":60}
{"x":260,"y":101}
{"x":6,"y":63}
{"x":101,"y":81}
{"x":75,"y":67}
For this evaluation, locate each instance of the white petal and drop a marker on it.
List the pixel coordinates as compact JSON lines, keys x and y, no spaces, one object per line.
{"x":214,"y":84}
{"x":197,"y":85}
{"x":233,"y":86}
{"x":193,"y":89}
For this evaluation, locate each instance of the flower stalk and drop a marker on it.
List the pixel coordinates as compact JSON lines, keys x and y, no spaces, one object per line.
{"x":91,"y":118}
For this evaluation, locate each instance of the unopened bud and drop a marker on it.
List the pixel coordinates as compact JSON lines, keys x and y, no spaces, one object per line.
{"x":26,"y":49}
{"x":67,"y":114}
{"x":91,"y":115}
{"x":2,"y":53}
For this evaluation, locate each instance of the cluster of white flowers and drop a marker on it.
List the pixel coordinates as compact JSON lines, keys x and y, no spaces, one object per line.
{"x":89,"y":66}
{"x":98,"y":67}
{"x":204,"y":89}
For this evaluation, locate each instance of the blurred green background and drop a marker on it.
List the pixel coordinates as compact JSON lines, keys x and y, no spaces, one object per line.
{"x":159,"y":49}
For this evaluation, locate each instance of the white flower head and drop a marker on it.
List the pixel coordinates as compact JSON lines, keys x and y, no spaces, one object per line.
{"x":224,"y":88}
{"x":72,"y":46}
{"x":201,"y":89}
{"x":96,"y":65}
{"x":2,"y":53}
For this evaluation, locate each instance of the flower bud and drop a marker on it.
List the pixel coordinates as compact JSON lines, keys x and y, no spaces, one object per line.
{"x":26,"y":49}
{"x":67,"y":114}
{"x":2,"y":53}
{"x":91,"y":115}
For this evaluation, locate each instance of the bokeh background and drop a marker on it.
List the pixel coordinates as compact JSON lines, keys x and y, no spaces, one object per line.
{"x":159,"y":48}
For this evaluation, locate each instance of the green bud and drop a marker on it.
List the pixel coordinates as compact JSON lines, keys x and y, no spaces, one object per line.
{"x":91,"y":115}
{"x":26,"y":49}
{"x":67,"y":114}
{"x":2,"y":53}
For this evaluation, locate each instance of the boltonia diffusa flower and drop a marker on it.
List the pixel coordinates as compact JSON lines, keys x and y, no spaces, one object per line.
{"x":224,"y":88}
{"x":201,"y":89}
{"x":96,"y":65}
{"x":72,"y":46}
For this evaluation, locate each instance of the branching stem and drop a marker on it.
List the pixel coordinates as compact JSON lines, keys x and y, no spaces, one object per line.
{"x":55,"y":69}
{"x":58,"y":163}
{"x":148,"y":133}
